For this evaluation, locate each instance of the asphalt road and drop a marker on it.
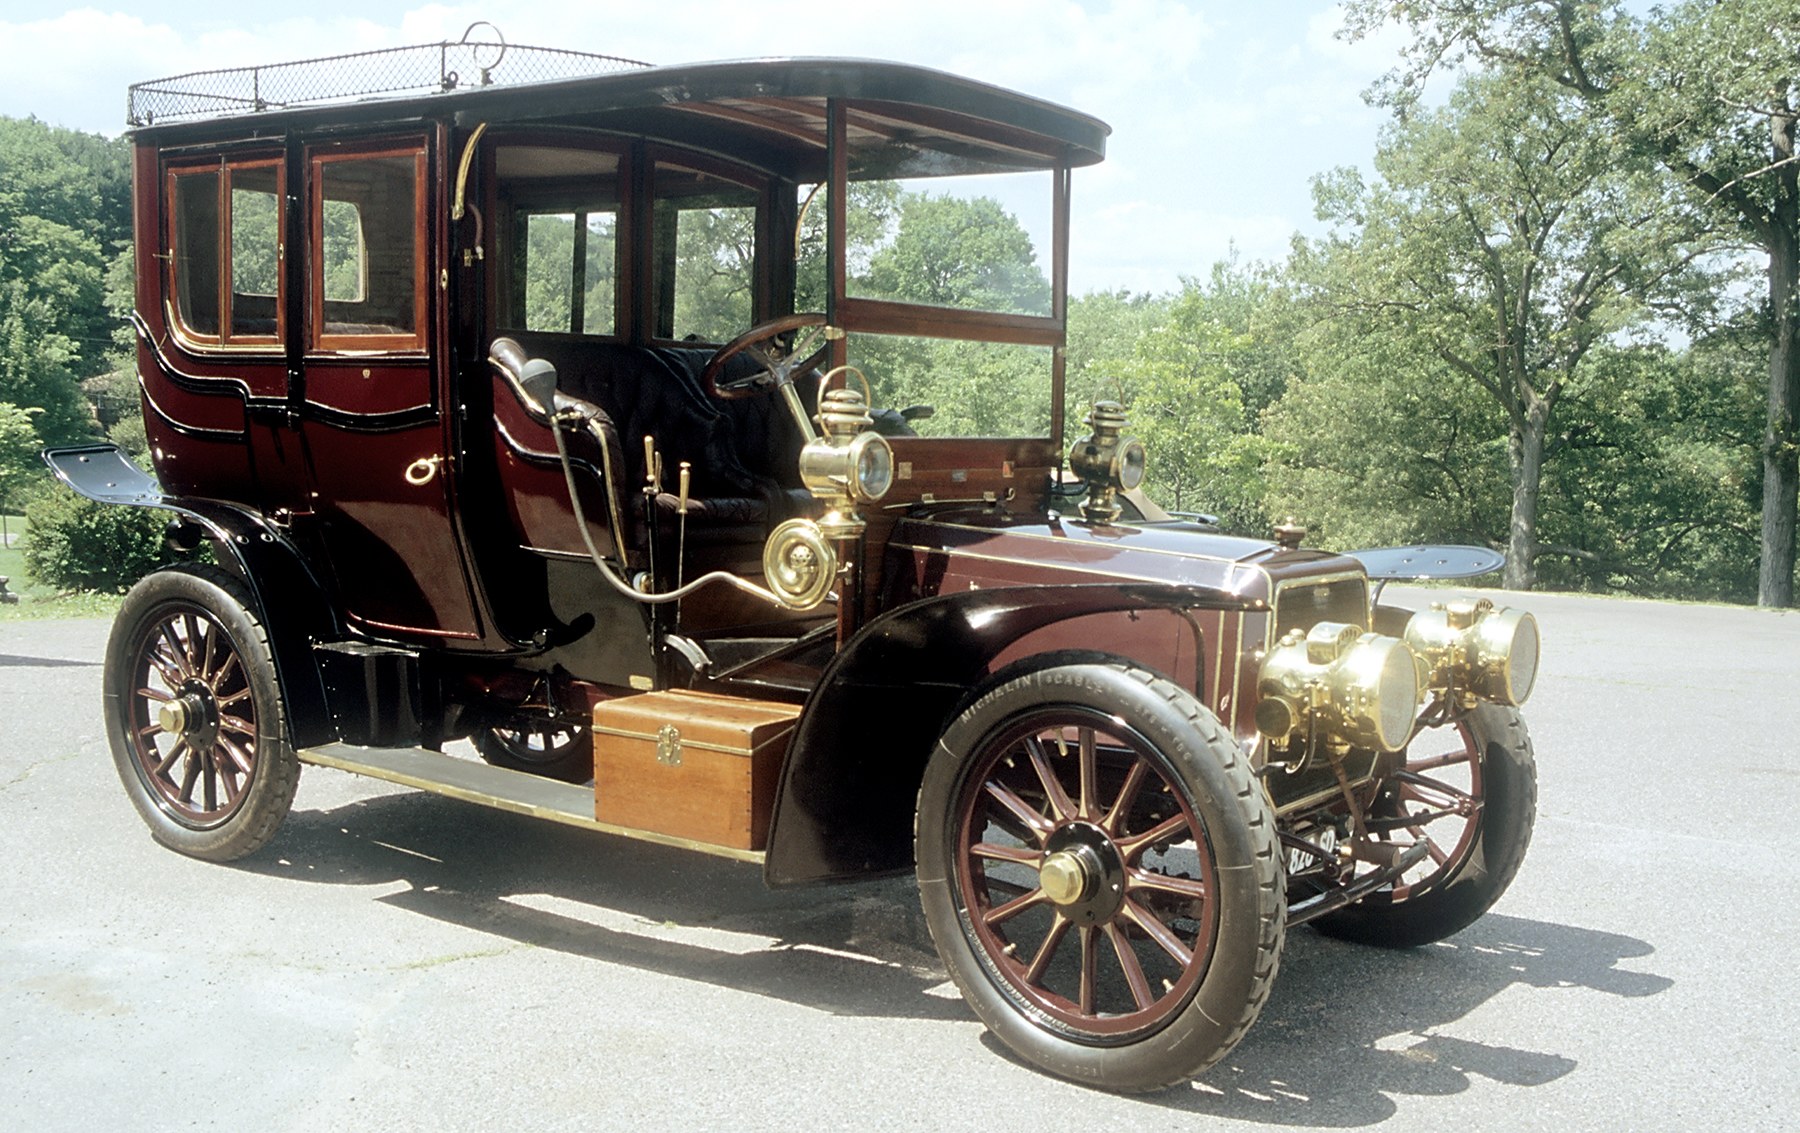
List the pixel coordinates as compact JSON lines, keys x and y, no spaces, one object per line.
{"x":398,"y":961}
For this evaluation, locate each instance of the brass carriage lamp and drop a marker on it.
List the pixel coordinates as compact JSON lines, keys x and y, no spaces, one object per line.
{"x":1107,"y":460}
{"x":849,"y":465}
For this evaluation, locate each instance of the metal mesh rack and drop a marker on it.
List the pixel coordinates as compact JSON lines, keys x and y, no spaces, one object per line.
{"x":419,"y":69}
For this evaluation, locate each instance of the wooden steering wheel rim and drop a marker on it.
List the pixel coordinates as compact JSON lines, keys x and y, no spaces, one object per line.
{"x":782,"y":372}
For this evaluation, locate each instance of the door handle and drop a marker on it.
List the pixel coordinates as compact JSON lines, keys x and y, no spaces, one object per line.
{"x":421,"y":471}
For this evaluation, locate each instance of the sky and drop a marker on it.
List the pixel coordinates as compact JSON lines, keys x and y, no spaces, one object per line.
{"x":1221,"y":111}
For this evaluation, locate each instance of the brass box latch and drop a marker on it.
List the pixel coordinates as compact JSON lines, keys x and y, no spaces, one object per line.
{"x":668,"y":745}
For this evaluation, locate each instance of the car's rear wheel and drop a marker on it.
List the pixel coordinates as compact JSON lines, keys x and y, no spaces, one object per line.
{"x":1469,"y":788}
{"x":1098,"y":868}
{"x":194,"y":715}
{"x":554,"y":749}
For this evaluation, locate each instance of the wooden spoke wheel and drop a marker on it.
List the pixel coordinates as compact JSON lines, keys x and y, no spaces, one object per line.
{"x":555,"y":749}
{"x":1468,"y":789}
{"x":195,"y":717}
{"x":1098,"y":868}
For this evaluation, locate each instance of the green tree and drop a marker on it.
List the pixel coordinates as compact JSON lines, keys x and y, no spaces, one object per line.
{"x":1180,"y":383}
{"x":1505,"y":240}
{"x":964,"y":252}
{"x":1712,"y":91}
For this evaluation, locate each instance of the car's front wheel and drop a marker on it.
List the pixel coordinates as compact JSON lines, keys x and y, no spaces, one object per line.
{"x":194,"y":714}
{"x":1468,"y":788}
{"x":1098,"y":868}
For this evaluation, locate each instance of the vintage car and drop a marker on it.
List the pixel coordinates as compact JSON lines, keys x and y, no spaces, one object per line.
{"x":542,"y":413}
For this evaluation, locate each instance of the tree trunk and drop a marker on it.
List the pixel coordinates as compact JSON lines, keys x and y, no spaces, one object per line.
{"x":1781,"y":440}
{"x":1525,"y":447}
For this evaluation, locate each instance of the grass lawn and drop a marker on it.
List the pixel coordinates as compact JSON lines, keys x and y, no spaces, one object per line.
{"x":37,"y":600}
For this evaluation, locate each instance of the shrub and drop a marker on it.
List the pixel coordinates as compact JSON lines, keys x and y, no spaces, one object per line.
{"x":73,"y":543}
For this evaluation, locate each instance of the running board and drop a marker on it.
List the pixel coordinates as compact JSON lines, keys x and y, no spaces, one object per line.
{"x":496,"y":787}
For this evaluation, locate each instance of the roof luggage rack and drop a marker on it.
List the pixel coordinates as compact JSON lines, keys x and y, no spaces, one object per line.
{"x":419,"y":69}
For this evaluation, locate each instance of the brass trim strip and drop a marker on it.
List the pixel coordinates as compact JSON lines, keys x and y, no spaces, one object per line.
{"x":743,"y":752}
{"x":1104,"y":572}
{"x":1068,"y":542}
{"x":344,"y":757}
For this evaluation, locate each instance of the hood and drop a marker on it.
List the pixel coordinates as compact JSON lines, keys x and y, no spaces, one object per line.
{"x":981,"y":549}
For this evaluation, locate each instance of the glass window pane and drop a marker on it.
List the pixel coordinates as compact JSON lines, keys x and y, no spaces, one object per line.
{"x":975,"y":389}
{"x":560,"y":249}
{"x":971,"y":243}
{"x":703,"y":267}
{"x":368,"y":273}
{"x":255,"y":251}
{"x":196,"y":250}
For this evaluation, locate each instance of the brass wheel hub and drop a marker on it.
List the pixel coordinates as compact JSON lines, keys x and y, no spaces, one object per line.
{"x":1082,"y":873}
{"x":1068,"y":875}
{"x":190,"y":717}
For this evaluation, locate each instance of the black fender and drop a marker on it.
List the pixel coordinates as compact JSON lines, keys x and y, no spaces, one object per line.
{"x":291,"y":603}
{"x":848,"y":787}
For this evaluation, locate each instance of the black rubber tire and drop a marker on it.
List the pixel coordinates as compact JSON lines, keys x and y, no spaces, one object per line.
{"x":1470,"y":887}
{"x":568,"y":762}
{"x":1194,"y":753}
{"x":266,"y":792}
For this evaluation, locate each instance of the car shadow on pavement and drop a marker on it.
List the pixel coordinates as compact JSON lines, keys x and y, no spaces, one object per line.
{"x":858,"y":949}
{"x":1346,"y":1027}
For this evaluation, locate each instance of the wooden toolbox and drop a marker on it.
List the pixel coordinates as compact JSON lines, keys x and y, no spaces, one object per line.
{"x":690,"y":764}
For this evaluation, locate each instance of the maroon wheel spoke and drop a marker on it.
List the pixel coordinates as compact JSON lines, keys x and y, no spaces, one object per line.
{"x":190,"y":776}
{"x":1088,"y":773}
{"x":168,"y":761}
{"x":1015,"y":906}
{"x":1047,"y":951}
{"x":238,"y":724}
{"x":1019,"y":854}
{"x":155,"y":694}
{"x":1130,"y":848}
{"x":239,"y":755}
{"x":225,"y":669}
{"x":1158,"y":931}
{"x":1128,"y":963}
{"x":177,"y":655}
{"x":1062,"y":808}
{"x":209,"y":781}
{"x":206,"y":658}
{"x":1418,"y":788}
{"x":1090,"y":963}
{"x":167,"y":667}
{"x":1434,"y":762}
{"x":1141,"y":879}
{"x":228,"y":701}
{"x":1039,"y":826}
{"x":1134,"y":780}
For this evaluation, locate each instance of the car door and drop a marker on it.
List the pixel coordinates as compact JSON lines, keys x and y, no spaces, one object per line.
{"x":373,"y":417}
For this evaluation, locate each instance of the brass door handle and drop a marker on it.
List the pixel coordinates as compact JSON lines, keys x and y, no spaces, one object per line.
{"x":421,"y":471}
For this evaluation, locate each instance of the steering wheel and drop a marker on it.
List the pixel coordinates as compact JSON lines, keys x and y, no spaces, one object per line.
{"x":779,"y":363}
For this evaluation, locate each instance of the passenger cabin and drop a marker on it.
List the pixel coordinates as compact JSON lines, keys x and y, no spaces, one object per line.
{"x":323,"y":281}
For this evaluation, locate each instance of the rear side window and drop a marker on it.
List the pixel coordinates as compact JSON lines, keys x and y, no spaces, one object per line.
{"x":703,"y":265}
{"x":367,"y":273}
{"x":225,"y":252}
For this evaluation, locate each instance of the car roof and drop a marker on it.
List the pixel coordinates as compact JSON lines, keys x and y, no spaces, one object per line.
{"x":902,"y":120}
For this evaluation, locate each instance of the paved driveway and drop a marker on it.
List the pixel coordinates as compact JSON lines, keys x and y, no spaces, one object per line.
{"x":398,"y":961}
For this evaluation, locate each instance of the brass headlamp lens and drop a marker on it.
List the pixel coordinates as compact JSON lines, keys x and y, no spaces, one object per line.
{"x":1473,"y":648}
{"x":1354,"y":687}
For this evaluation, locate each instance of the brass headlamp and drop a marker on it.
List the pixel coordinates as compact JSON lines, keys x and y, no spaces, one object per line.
{"x":1348,"y":687}
{"x":1107,"y":460}
{"x":1472,"y":649}
{"x":848,"y":465}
